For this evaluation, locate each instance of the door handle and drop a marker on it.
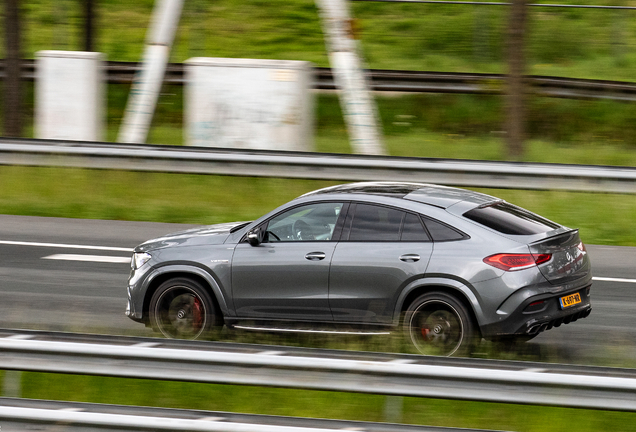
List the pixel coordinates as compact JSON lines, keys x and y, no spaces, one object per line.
{"x":315,"y":256}
{"x":410,"y":257}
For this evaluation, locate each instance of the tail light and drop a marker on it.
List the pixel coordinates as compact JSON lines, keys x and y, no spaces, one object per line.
{"x":581,"y":247}
{"x":512,"y":262}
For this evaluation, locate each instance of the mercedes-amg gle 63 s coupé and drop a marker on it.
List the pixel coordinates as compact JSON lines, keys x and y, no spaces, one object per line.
{"x":444,"y":266}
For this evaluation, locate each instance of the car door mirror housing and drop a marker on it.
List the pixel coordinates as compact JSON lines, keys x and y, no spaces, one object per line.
{"x":254,"y":238}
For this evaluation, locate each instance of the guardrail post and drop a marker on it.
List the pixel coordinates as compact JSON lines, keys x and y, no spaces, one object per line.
{"x":12,"y":384}
{"x":393,"y":407}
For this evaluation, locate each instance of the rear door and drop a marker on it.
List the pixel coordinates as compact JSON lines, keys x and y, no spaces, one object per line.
{"x":381,"y":250}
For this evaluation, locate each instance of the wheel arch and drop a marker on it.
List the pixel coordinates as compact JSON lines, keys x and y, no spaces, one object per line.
{"x":165,"y":273}
{"x":456,"y":288}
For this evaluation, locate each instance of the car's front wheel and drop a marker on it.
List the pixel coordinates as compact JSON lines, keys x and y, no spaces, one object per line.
{"x":182,"y":309}
{"x":436,"y":323}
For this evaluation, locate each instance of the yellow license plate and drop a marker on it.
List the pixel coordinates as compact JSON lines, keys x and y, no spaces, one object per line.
{"x":570,"y":300}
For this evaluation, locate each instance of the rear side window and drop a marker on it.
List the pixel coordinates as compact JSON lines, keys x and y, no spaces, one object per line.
{"x":510,"y":219}
{"x":375,"y":223}
{"x":413,"y":230}
{"x":441,"y":232}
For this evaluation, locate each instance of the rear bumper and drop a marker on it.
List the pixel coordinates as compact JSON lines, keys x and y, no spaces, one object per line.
{"x":543,"y":326}
{"x":523,"y":322}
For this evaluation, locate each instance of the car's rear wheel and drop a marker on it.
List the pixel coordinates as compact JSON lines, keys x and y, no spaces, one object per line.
{"x":182,"y":309}
{"x":437,"y":323}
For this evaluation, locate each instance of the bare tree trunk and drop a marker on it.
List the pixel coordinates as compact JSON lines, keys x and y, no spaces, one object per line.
{"x":515,"y":97}
{"x":89,"y":25}
{"x":12,"y":89}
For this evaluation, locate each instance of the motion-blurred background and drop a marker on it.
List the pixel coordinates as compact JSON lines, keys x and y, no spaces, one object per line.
{"x":573,"y":102}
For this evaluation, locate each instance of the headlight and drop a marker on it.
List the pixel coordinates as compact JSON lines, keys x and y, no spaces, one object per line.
{"x":139,"y":259}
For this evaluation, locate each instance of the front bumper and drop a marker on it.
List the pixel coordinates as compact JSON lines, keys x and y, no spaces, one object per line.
{"x":525,"y":322}
{"x":130,"y":309}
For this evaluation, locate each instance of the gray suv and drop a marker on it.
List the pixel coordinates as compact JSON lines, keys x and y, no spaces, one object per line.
{"x":445,"y":266}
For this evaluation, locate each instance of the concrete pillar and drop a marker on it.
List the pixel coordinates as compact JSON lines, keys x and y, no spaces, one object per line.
{"x":250,"y":104}
{"x":70,"y":97}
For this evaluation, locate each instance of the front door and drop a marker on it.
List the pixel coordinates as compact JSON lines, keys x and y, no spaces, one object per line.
{"x":286,"y":277}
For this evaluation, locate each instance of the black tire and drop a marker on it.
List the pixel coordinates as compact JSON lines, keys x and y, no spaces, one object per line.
{"x":437,"y":323}
{"x":182,"y":309}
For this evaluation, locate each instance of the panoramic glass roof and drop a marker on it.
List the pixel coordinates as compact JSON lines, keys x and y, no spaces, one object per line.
{"x":394,"y":189}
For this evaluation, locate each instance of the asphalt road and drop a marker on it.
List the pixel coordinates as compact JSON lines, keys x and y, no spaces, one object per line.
{"x":44,"y":285}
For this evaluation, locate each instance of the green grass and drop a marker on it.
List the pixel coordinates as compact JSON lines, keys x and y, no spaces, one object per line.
{"x":303,"y":403}
{"x":199,"y":199}
{"x":582,"y":43}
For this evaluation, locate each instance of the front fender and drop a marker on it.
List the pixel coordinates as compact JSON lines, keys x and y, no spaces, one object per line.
{"x":184,"y":269}
{"x":438,"y":281}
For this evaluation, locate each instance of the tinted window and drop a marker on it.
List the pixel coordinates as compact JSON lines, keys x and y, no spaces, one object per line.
{"x":375,"y":223}
{"x":510,"y":219}
{"x":312,"y":222}
{"x":441,"y":232}
{"x":413,"y":230}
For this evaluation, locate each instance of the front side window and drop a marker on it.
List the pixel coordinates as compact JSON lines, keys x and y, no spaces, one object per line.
{"x":311,"y":222}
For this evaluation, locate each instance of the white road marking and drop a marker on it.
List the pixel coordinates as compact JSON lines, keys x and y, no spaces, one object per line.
{"x":67,"y":246}
{"x":89,"y":258}
{"x":606,"y":279}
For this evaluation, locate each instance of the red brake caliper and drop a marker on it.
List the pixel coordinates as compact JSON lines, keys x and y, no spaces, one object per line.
{"x":425,"y":331}
{"x":197,"y":313}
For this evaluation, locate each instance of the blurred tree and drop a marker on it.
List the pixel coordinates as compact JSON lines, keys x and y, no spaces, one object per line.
{"x":89,"y":25}
{"x":61,"y":35}
{"x":515,"y":95}
{"x":196,"y":15}
{"x":12,"y":88}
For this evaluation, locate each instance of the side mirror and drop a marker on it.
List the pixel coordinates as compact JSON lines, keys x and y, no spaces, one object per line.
{"x":254,"y":238}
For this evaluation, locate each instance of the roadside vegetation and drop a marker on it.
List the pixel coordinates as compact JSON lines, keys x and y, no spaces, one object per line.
{"x":304,"y":403}
{"x":582,"y":43}
{"x":200,"y":199}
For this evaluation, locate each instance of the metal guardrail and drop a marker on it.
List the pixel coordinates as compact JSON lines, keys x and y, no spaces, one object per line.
{"x":15,"y":413}
{"x":261,"y":163}
{"x":418,"y":376}
{"x":409,"y":81}
{"x":485,"y":3}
